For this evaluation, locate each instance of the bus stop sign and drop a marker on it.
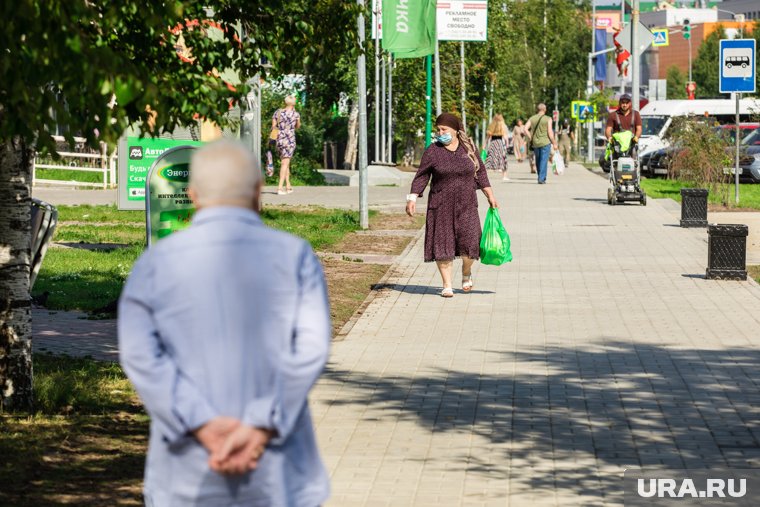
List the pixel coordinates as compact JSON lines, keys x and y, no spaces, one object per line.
{"x":738,"y":65}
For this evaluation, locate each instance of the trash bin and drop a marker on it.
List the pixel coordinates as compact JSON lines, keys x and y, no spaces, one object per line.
{"x":693,"y":207}
{"x":44,"y":220}
{"x":727,"y":251}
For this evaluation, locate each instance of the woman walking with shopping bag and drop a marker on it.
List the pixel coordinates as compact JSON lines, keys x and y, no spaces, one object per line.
{"x":452,"y":224}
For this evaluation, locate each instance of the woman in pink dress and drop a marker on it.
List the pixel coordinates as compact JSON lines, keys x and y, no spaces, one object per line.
{"x":287,"y":120}
{"x":452,"y":223}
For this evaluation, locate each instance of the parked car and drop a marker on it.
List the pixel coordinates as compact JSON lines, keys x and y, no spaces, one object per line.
{"x":658,"y":162}
{"x":728,"y":131}
{"x":749,"y":161}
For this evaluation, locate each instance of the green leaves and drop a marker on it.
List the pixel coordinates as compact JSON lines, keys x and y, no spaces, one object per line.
{"x":63,"y":59}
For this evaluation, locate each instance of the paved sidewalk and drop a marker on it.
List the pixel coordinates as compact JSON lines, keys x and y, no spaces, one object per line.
{"x":600,"y":347}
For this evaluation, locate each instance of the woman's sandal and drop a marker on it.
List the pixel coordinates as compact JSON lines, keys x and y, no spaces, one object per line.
{"x":467,"y":283}
{"x":447,"y":292}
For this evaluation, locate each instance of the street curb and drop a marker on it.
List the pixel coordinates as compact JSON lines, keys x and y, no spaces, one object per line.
{"x":343,"y":332}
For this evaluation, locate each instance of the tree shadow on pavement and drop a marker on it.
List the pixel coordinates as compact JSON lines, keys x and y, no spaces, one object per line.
{"x":599,"y":407}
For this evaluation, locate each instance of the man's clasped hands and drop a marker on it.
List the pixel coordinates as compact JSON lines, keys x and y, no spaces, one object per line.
{"x":234,"y":448}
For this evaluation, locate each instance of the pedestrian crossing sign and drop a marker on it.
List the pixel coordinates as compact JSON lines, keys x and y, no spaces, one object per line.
{"x":577,"y":106}
{"x":660,"y":37}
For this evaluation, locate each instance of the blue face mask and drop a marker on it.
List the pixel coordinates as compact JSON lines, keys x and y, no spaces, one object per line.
{"x":444,"y":138}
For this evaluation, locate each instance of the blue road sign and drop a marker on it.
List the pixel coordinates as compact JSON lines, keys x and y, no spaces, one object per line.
{"x":660,"y":37}
{"x":586,"y":112}
{"x":738,"y":65}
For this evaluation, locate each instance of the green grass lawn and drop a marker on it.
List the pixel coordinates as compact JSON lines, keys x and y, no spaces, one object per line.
{"x":109,"y":214}
{"x":656,"y":188}
{"x":67,"y":175}
{"x":754,"y":272}
{"x":84,"y":443}
{"x":90,"y":280}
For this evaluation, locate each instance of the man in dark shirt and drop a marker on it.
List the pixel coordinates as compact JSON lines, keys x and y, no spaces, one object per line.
{"x":624,"y":119}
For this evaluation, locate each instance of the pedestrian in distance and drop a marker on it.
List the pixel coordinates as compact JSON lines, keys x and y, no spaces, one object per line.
{"x":518,"y":141}
{"x":223,"y":351}
{"x":496,"y":158}
{"x":286,"y":120}
{"x":452,"y":224}
{"x":539,"y":131}
{"x":566,"y":139}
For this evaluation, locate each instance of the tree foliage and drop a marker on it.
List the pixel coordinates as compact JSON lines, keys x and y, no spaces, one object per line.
{"x":63,"y":60}
{"x":676,"y":83}
{"x":705,"y":65}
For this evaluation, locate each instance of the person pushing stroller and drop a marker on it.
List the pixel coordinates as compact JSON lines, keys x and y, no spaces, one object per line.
{"x":622,"y":132}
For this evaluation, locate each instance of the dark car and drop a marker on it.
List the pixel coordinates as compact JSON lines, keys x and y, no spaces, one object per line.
{"x":749,"y":158}
{"x":659,"y":161}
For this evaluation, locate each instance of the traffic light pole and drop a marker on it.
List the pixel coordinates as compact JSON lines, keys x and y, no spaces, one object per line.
{"x":690,"y":58}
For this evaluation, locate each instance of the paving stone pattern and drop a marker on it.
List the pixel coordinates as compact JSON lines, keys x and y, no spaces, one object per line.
{"x":601,"y":347}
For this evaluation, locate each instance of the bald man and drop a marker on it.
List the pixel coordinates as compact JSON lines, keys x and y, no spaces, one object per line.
{"x":223,"y":329}
{"x":541,"y":135}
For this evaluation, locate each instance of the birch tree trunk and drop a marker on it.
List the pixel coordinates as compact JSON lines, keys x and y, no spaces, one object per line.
{"x":15,"y":259}
{"x":352,"y":146}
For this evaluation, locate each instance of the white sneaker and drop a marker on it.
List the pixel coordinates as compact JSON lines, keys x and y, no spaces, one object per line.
{"x":505,"y":179}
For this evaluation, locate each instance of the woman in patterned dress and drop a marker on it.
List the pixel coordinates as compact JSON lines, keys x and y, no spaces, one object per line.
{"x":287,"y":120}
{"x":518,"y":141}
{"x":497,"y":146}
{"x":452,"y":224}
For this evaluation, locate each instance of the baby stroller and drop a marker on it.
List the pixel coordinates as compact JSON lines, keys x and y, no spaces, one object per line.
{"x":625,"y":177}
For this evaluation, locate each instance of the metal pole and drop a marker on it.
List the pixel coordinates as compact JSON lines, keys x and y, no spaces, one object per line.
{"x":382,"y":109}
{"x":464,"y":96}
{"x":390,"y":108}
{"x":428,"y":100}
{"x":377,"y":94}
{"x":590,"y":82}
{"x":437,"y":81}
{"x":622,"y":25}
{"x":556,"y":108}
{"x":362,"y":92}
{"x":635,"y":74}
{"x":483,"y":123}
{"x":690,"y":58}
{"x":490,"y":104}
{"x":736,"y":166}
{"x":589,"y":92}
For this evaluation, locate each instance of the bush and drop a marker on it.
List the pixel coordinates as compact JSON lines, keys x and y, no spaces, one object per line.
{"x":700,"y":157}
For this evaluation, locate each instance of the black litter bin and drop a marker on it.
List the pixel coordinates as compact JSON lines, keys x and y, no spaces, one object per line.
{"x":727,"y":251}
{"x":693,"y":207}
{"x":44,"y":220}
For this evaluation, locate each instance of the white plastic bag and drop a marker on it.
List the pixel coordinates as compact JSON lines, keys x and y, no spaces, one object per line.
{"x":558,"y":164}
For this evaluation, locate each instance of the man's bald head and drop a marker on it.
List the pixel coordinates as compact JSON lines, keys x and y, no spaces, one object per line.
{"x":541,"y":108}
{"x":224,"y":173}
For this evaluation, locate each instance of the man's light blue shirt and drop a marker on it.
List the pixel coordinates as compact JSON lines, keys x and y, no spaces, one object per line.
{"x":227,"y":318}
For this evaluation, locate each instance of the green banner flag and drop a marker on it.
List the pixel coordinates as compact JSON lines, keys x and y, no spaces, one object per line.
{"x":409,"y":27}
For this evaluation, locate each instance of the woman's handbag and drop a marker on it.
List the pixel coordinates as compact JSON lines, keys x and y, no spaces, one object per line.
{"x":275,"y":133}
{"x":494,"y":243}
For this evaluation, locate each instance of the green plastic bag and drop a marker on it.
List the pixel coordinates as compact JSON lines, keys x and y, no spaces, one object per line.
{"x":483,"y":154}
{"x":494,"y":243}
